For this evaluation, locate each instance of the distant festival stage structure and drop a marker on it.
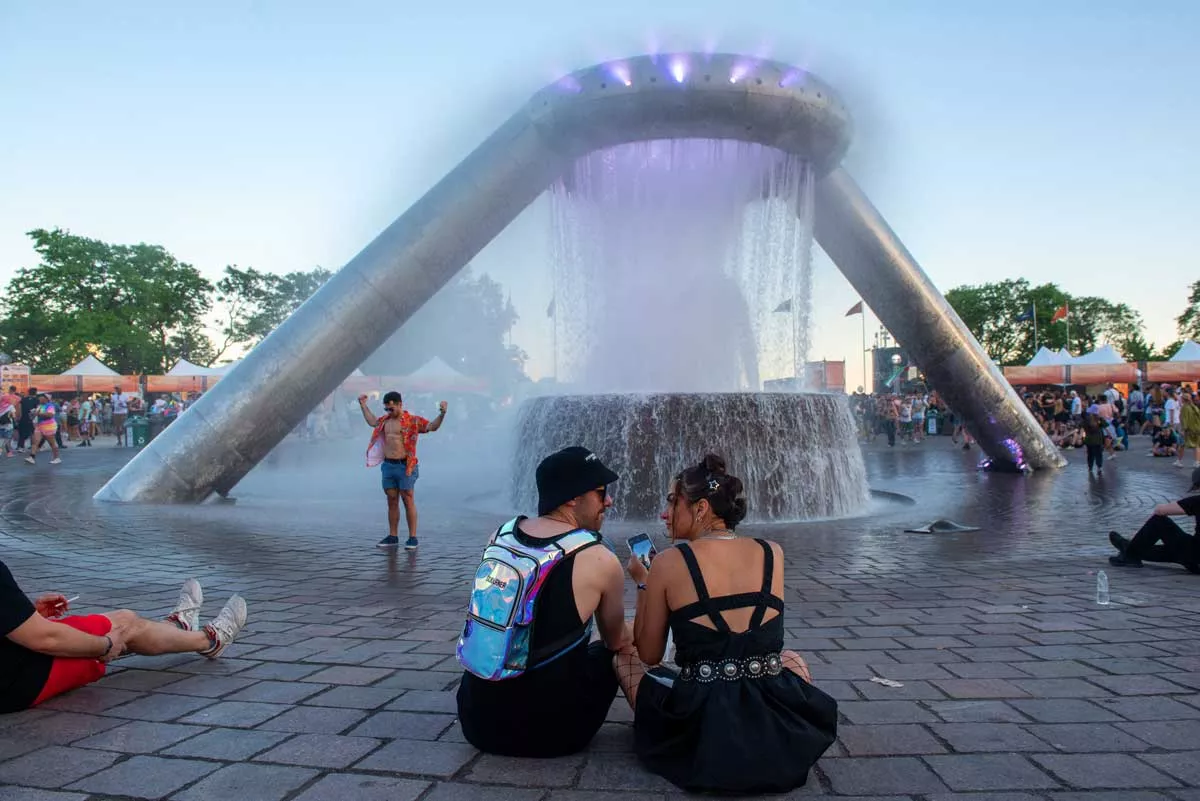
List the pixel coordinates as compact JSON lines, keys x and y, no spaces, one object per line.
{"x":650,"y":98}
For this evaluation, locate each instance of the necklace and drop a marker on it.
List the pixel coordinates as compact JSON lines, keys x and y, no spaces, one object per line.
{"x":710,"y":534}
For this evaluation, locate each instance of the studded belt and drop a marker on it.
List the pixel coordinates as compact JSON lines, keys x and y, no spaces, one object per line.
{"x":749,"y":667}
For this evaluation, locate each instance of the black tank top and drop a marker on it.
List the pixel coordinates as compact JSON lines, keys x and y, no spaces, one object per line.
{"x":555,"y":615}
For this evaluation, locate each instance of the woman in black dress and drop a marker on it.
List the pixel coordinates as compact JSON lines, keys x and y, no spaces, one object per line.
{"x":739,"y":716}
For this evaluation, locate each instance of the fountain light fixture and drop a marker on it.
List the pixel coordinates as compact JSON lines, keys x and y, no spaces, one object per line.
{"x":620,"y":71}
{"x":679,"y":68}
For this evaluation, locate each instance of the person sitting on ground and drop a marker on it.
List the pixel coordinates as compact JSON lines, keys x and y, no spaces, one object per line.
{"x":534,"y":686}
{"x":1177,"y":546}
{"x":45,"y":652}
{"x":740,"y":715}
{"x":1164,"y":442}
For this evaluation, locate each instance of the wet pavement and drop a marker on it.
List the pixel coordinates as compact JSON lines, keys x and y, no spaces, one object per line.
{"x":1016,"y":684}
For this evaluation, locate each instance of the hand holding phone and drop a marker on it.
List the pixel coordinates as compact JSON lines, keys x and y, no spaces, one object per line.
{"x":641,"y":546}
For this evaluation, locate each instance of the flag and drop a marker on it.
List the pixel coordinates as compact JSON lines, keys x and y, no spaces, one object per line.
{"x":1026,"y":315}
{"x":1061,"y":313}
{"x":786,"y":306}
{"x":855,"y":309}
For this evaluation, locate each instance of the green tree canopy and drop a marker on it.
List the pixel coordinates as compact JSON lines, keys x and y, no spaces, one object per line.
{"x":991,"y":312}
{"x":135,"y":307}
{"x":253,"y":302}
{"x":466,"y":324}
{"x":1189,"y":321}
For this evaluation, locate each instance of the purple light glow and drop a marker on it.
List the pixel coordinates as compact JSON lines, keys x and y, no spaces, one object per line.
{"x":620,"y":72}
{"x":679,"y":68}
{"x":740,"y":70}
{"x":570,"y":83}
{"x":791,"y":78}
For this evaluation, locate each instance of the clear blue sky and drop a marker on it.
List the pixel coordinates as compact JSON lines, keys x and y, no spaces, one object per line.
{"x":1055,"y":141}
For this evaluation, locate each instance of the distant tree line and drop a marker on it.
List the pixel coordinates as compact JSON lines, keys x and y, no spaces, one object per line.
{"x":999,"y":315}
{"x":139,"y":309}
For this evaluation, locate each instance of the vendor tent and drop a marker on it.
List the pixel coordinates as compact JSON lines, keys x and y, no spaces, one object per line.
{"x":185,"y":368}
{"x":437,"y":376}
{"x":91,"y":366}
{"x":1189,"y":351}
{"x":1046,"y":358}
{"x":1105,"y":355}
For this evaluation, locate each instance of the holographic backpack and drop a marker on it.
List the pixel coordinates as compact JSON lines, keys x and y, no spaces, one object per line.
{"x":496,"y":640}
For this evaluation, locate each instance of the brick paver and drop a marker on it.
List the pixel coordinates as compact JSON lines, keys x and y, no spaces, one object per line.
{"x":1017,"y":685}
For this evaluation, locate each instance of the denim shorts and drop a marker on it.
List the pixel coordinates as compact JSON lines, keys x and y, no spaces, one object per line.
{"x":395,"y":475}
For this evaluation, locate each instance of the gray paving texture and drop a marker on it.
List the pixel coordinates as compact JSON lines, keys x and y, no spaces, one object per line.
{"x":1016,"y":685}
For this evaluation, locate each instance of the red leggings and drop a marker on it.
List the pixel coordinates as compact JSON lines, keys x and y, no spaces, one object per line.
{"x":68,"y":672}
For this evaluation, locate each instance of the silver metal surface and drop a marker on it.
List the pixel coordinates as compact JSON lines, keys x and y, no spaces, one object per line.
{"x":876,"y":263}
{"x":235,"y":424}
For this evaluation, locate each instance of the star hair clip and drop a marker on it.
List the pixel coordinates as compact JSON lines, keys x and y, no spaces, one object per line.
{"x":713,"y":485}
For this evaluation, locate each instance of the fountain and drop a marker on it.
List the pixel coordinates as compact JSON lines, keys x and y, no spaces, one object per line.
{"x":681,"y":96}
{"x":682,"y":281}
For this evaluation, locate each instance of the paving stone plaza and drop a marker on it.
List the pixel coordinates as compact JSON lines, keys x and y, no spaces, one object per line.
{"x":1016,"y":685}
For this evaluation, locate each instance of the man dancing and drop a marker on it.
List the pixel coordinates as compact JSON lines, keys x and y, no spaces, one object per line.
{"x":393,"y":447}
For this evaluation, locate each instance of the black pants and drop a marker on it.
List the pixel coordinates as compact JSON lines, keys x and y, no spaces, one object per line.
{"x":889,"y":427}
{"x":1177,"y":545}
{"x":1095,"y":456}
{"x":24,"y":434}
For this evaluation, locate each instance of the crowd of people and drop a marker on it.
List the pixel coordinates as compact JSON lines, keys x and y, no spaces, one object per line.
{"x":1104,"y":422}
{"x":906,"y":417}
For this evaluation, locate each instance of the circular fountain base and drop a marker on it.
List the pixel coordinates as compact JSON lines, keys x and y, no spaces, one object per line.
{"x":797,"y":453}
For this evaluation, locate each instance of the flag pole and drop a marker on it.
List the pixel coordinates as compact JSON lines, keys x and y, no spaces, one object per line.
{"x":864,"y":348}
{"x":1068,"y":319}
{"x":1035,"y":333}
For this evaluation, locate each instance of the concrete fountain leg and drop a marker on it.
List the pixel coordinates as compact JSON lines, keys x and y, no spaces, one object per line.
{"x":876,"y":263}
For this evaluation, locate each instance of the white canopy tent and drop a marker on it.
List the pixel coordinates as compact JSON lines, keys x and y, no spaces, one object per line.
{"x":184,"y":367}
{"x":93,"y":367}
{"x":1049,"y":358}
{"x":1189,"y":351}
{"x":1105,"y":355}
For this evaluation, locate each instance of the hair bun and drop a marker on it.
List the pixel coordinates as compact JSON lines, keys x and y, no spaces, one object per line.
{"x":713,"y":464}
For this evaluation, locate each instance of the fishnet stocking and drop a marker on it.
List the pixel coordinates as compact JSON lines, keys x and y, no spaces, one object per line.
{"x":795,"y":663}
{"x":629,"y":670}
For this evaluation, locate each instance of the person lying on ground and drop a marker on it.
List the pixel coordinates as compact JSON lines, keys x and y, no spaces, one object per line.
{"x":45,"y":652}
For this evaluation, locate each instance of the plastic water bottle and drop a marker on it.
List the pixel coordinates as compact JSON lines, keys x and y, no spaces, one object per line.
{"x":1102,"y":588}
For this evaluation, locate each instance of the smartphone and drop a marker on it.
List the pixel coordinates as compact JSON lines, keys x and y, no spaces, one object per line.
{"x":641,"y":547}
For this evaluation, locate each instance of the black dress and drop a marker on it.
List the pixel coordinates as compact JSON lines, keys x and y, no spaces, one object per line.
{"x":733,"y":719}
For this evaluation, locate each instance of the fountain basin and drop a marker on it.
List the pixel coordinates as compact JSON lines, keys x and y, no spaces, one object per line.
{"x":797,"y":453}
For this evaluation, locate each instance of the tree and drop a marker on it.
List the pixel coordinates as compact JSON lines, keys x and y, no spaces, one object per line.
{"x":1189,"y":321}
{"x":132,"y":306}
{"x":992,"y":312}
{"x":254,"y":303}
{"x":467,"y":325}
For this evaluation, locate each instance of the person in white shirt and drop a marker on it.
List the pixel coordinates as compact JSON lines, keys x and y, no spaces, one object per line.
{"x":1171,"y":413}
{"x":120,"y":408}
{"x":1076,"y":405}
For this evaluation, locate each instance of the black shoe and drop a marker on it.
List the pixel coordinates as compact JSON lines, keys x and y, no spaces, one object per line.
{"x":1118,"y":542}
{"x":388,"y":542}
{"x":1124,"y":561}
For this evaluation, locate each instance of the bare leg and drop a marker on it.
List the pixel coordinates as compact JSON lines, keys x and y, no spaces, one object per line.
{"x":795,"y":663}
{"x":53,"y":447}
{"x":34,"y":444}
{"x":152,"y":637}
{"x":393,"y":504}
{"x":629,"y":669}
{"x":410,"y":512}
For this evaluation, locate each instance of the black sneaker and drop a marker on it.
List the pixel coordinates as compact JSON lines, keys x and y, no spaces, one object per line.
{"x":1118,"y":542}
{"x":1124,"y":561}
{"x":388,"y":542}
{"x":410,"y":544}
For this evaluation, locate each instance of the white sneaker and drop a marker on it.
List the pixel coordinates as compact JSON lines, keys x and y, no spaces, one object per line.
{"x":1178,"y":463}
{"x":56,"y":461}
{"x":186,"y":614}
{"x":224,"y":628}
{"x":30,"y":460}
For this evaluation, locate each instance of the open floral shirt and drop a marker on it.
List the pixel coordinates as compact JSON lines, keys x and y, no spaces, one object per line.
{"x":412,"y":425}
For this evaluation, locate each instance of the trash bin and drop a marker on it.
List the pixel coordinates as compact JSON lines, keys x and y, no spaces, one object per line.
{"x":137,"y":432}
{"x":932,"y":423}
{"x":154,"y":426}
